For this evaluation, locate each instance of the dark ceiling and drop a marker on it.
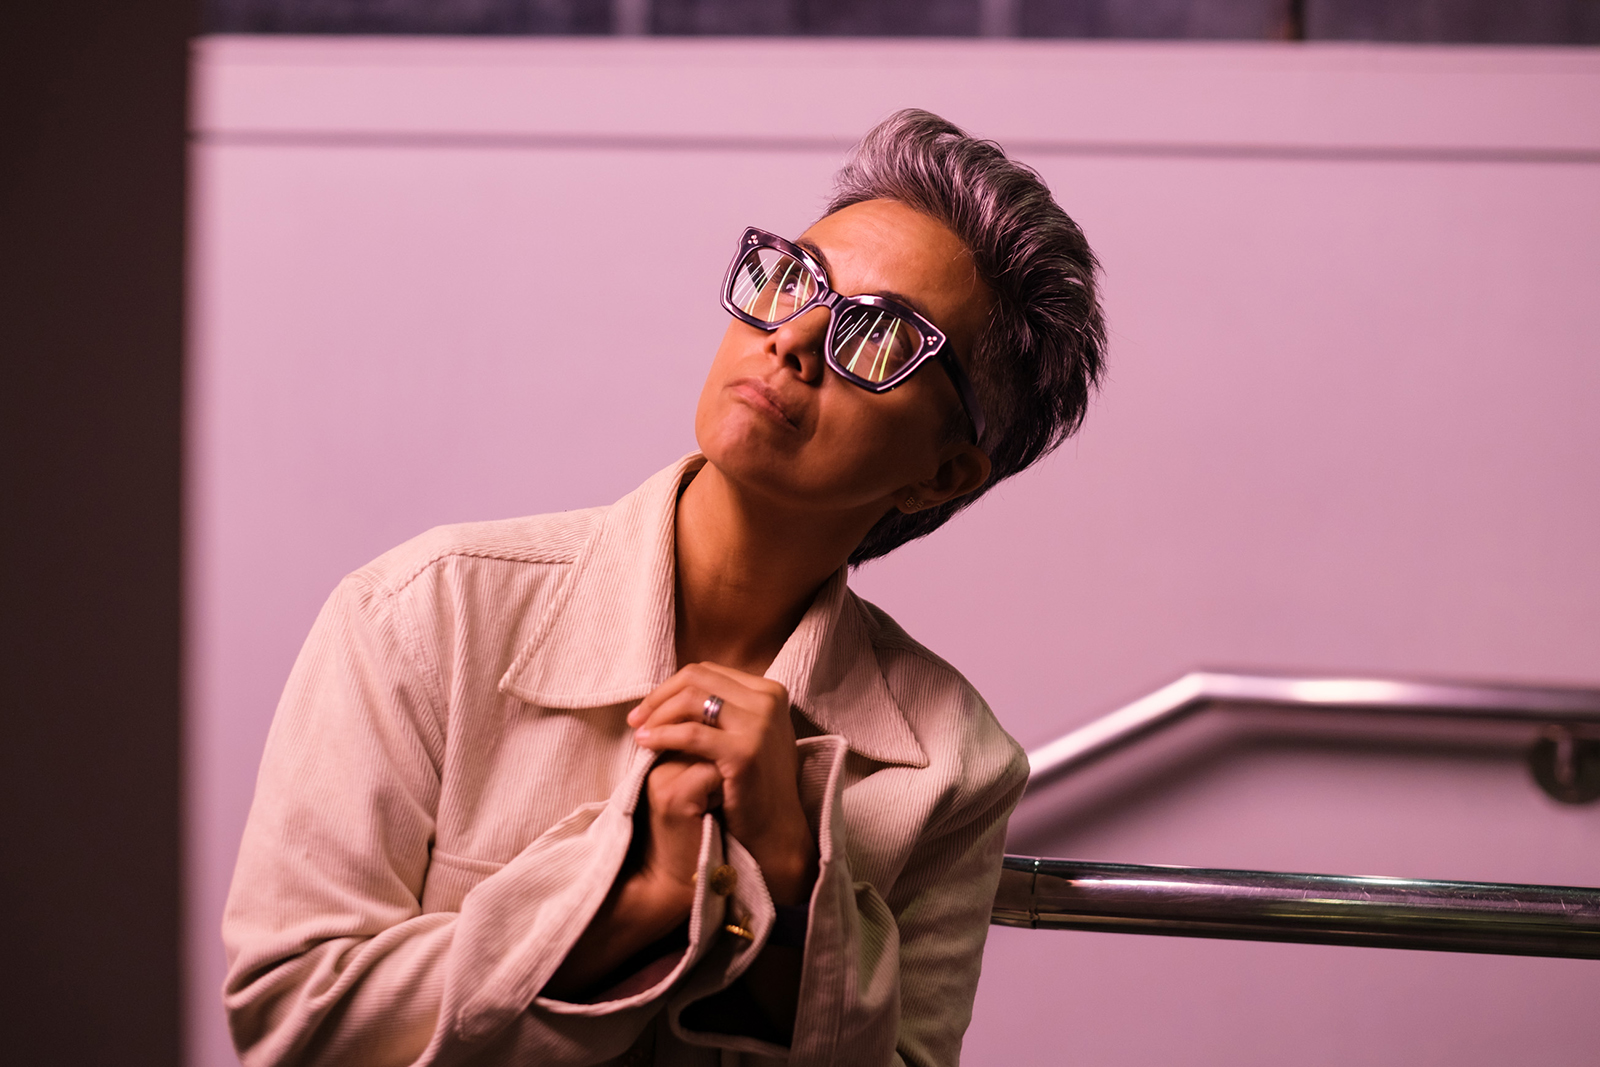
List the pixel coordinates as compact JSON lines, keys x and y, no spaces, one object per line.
{"x":1454,"y":21}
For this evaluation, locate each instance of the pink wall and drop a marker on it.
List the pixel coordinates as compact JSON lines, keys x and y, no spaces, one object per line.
{"x":1349,"y":426}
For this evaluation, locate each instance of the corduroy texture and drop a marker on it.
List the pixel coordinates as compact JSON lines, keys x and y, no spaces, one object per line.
{"x":447,"y":796}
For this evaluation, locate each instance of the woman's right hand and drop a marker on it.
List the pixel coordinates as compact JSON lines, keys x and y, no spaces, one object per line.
{"x":679,"y":793}
{"x":648,"y":903}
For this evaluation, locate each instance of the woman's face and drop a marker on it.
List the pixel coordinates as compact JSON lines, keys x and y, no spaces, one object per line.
{"x":775,"y":420}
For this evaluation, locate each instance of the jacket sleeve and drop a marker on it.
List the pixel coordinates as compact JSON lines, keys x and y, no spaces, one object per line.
{"x":884,"y":981}
{"x":331,"y":958}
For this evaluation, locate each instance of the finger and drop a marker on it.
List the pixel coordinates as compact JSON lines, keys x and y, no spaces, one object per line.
{"x":690,"y":738}
{"x":689,"y":705}
{"x":668,"y":767}
{"x":754,"y":684}
{"x":710,"y":679}
{"x":676,"y":773}
{"x":668,"y":689}
{"x":691,"y":793}
{"x":685,"y":699}
{"x":757,"y":700}
{"x":653,"y":700}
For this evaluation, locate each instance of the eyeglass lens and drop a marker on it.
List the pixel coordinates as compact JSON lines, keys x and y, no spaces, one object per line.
{"x":772,"y":286}
{"x":869,"y":343}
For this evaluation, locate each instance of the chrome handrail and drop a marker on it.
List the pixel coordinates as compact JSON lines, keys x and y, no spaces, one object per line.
{"x":1526,"y":920}
{"x":1200,"y":689}
{"x":1485,"y":917}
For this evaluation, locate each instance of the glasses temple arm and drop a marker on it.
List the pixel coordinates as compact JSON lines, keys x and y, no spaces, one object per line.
{"x":968,"y":395}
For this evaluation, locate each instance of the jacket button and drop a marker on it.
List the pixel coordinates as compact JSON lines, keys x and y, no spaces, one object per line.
{"x":723,"y":879}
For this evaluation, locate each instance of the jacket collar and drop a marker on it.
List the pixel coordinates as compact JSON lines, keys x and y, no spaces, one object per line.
{"x":607,"y":637}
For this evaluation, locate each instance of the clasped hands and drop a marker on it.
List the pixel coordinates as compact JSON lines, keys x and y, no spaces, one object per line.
{"x":746,"y":767}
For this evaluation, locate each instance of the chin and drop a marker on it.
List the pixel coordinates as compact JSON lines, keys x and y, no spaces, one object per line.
{"x":742,"y":460}
{"x":736,"y":438}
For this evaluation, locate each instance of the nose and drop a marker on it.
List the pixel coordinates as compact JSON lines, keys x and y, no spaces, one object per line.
{"x":798,"y":344}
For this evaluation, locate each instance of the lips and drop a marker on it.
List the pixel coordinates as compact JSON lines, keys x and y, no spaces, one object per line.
{"x":761,"y":396}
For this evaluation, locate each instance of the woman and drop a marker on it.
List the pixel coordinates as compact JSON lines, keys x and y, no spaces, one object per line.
{"x":648,"y":783}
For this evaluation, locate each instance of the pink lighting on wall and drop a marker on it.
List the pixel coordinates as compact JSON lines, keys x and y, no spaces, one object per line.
{"x":1349,"y":427}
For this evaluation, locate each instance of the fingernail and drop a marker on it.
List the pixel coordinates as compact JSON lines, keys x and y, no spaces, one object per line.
{"x":642,"y":735}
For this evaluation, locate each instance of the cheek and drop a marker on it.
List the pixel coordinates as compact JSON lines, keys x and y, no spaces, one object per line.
{"x":706,"y":411}
{"x":882,"y":439}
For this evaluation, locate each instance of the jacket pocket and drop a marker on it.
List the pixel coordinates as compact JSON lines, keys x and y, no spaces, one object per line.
{"x":450,"y":878}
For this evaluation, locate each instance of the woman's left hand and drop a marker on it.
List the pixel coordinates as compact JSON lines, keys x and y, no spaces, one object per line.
{"x":753,"y":748}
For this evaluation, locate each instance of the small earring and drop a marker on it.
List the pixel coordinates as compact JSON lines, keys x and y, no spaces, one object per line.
{"x":912,"y":503}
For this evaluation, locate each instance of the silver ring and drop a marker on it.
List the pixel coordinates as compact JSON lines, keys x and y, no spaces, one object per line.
{"x":711,"y":711}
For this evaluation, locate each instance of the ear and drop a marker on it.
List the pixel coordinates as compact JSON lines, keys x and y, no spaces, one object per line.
{"x":962,"y":472}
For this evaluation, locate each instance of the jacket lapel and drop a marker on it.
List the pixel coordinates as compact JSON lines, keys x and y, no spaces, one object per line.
{"x":831,"y":671}
{"x":608,"y":637}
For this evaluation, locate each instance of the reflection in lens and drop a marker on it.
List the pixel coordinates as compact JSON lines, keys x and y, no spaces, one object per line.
{"x":874,"y":344}
{"x":771,"y":286}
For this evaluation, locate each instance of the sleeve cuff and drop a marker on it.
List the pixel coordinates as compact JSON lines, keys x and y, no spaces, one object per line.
{"x":707,"y":918}
{"x":749,"y":904}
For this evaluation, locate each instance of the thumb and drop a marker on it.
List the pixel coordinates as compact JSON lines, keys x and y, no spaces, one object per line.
{"x":696,"y":790}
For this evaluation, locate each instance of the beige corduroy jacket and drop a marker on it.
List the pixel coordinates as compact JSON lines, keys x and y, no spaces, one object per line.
{"x":447,"y":793}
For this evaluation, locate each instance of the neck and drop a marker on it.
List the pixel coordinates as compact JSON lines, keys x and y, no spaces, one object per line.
{"x":747,"y":570}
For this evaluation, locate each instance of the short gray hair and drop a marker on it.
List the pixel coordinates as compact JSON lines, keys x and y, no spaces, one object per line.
{"x":1041,"y":354}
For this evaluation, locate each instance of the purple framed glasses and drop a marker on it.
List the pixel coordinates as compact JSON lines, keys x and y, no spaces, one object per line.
{"x":872,"y":341}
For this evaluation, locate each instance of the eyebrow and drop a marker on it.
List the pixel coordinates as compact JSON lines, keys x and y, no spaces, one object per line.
{"x":899,"y":298}
{"x":821,"y":257}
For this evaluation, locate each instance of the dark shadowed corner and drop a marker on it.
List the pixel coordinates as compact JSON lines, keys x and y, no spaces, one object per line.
{"x":91,"y":323}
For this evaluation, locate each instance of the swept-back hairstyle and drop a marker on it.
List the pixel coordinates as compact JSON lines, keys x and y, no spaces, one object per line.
{"x":1040,"y":354}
